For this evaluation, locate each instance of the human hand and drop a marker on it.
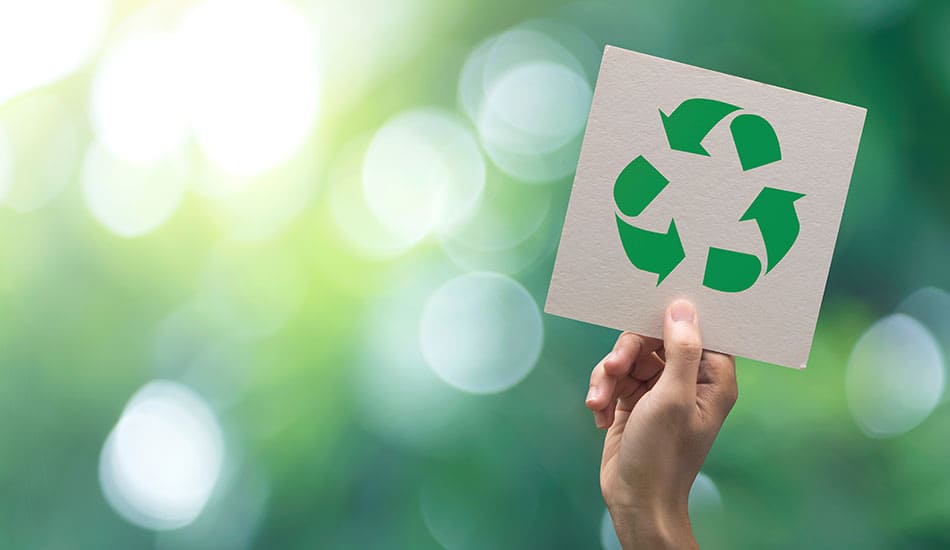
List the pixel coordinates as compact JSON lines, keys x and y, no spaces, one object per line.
{"x":662,"y":403}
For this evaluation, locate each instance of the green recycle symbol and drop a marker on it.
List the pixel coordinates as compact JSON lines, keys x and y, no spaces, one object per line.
{"x":773,"y":209}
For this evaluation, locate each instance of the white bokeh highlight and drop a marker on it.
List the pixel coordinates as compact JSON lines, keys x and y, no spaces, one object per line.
{"x":351,"y":216}
{"x":253,"y":81}
{"x":895,"y":376}
{"x":534,"y":108}
{"x":6,"y":164}
{"x":137,"y":98}
{"x":232,"y":517}
{"x":469,"y":510}
{"x":44,"y":145}
{"x":424,"y":414}
{"x":931,"y":306}
{"x":132,"y":199}
{"x":42,"y":41}
{"x":704,"y":496}
{"x":162,"y":460}
{"x":423,"y":172}
{"x":494,"y":240}
{"x":365,"y":42}
{"x":481,"y":332}
{"x":529,"y":98}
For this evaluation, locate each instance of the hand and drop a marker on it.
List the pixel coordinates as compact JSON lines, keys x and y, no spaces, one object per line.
{"x":663,"y":403}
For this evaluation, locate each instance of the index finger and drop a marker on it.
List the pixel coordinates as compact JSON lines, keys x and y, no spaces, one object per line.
{"x":627,"y":350}
{"x":620,"y":362}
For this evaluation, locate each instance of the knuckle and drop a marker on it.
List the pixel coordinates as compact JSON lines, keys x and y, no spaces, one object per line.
{"x":626,"y":339}
{"x":596,"y":374}
{"x":726,"y":399}
{"x":732,"y":395}
{"x":687,"y":347}
{"x":707,"y":373}
{"x":625,"y":335}
{"x":718,"y":361}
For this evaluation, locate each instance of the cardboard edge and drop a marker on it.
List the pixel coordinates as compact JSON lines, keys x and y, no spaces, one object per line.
{"x":609,"y":47}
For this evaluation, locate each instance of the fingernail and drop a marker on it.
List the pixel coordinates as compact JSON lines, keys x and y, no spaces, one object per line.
{"x":610,"y":356}
{"x":683,"y":311}
{"x":592,"y":394}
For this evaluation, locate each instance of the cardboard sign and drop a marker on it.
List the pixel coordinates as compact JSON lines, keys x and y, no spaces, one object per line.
{"x":710,"y":187}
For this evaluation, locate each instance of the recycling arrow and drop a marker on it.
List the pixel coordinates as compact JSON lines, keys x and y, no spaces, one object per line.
{"x":755,"y":141}
{"x":773,"y":209}
{"x":652,"y":251}
{"x":637,"y":185}
{"x":730,"y":271}
{"x":688,"y":124}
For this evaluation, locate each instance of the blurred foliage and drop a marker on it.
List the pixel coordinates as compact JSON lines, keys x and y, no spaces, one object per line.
{"x":79,"y":307}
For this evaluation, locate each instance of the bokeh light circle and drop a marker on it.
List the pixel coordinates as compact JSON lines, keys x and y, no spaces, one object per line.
{"x":481,"y":332}
{"x":253,"y":81}
{"x":137,"y":105}
{"x":6,"y":164}
{"x":132,"y":199}
{"x":351,"y":216}
{"x":473,"y":507}
{"x":232,"y":517}
{"x":42,"y":41}
{"x":513,"y":228}
{"x":365,"y":42}
{"x":424,"y":413}
{"x":44,"y":142}
{"x":931,"y":306}
{"x":895,"y":376}
{"x":703,"y":496}
{"x":161,"y":462}
{"x":529,"y":98}
{"x":534,"y":108}
{"x":423,"y":171}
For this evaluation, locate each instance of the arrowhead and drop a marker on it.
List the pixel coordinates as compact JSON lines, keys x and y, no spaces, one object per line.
{"x":676,"y":252}
{"x":688,"y":124}
{"x":680,"y":136}
{"x":774,"y":212}
{"x":770,"y":202}
{"x":652,"y":251}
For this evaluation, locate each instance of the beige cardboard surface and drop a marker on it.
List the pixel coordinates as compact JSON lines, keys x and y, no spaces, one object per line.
{"x":774,"y":320}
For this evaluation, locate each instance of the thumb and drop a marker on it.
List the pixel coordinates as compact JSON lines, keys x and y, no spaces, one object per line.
{"x":683,"y":347}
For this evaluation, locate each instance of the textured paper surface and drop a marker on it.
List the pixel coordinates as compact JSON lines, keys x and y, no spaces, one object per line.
{"x":774,"y":320}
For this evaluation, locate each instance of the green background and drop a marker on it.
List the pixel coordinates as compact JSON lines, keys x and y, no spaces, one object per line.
{"x":80,"y":307}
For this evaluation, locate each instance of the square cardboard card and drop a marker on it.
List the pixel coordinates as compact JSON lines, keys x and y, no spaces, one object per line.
{"x":700,"y":185}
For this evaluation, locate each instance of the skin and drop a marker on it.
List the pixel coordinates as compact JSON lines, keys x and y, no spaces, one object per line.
{"x":662,"y":403}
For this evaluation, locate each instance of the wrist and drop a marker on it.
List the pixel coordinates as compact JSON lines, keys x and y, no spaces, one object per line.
{"x":661,"y":525}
